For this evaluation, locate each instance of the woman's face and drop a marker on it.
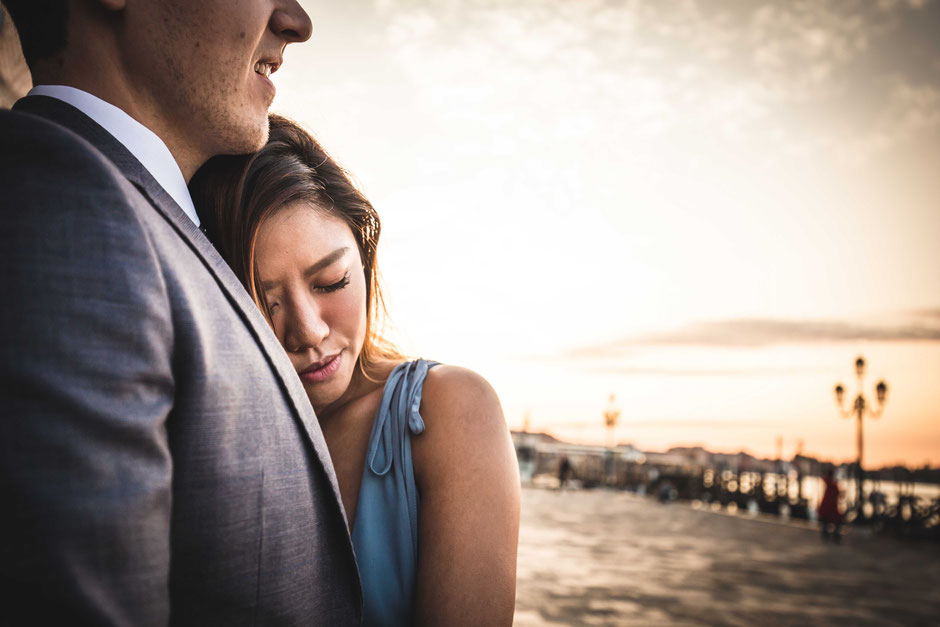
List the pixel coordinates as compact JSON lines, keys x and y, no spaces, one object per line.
{"x":311,"y":271}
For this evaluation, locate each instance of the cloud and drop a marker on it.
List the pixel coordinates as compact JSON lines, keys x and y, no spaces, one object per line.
{"x":889,"y":5}
{"x":910,"y":112}
{"x":799,"y":47}
{"x":629,"y":70}
{"x":752,"y":333}
{"x":617,"y":369}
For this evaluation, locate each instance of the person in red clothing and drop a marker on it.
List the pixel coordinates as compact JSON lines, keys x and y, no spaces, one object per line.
{"x":830,"y":519}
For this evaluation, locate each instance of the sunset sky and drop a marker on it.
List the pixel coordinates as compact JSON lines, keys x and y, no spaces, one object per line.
{"x":708,"y":209}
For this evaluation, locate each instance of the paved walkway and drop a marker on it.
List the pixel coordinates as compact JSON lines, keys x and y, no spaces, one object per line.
{"x":608,"y":558}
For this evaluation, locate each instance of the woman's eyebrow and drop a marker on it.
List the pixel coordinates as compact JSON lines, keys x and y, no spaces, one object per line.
{"x":316,"y":267}
{"x":325,"y":261}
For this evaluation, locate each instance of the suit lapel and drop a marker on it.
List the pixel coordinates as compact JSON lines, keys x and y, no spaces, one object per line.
{"x":73,"y":119}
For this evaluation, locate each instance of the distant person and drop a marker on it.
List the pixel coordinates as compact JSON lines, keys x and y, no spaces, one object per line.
{"x":667,"y":492}
{"x":564,"y":471}
{"x":830,"y":519}
{"x":426,"y":466}
{"x":159,"y":460}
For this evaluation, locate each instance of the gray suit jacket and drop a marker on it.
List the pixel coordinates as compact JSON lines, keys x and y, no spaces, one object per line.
{"x":159,"y":460}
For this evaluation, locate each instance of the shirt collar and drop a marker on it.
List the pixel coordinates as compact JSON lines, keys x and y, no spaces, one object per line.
{"x":143,"y":143}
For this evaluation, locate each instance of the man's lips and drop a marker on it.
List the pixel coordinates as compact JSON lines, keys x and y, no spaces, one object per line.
{"x":263,"y":69}
{"x":321,"y":370}
{"x":267,"y":67}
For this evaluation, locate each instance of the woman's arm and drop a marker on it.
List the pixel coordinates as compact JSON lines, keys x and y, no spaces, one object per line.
{"x":468,"y":526}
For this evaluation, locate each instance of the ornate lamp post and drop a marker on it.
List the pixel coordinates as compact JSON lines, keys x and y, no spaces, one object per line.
{"x":860,"y":408}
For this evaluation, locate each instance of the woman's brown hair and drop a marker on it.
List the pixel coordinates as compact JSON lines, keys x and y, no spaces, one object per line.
{"x":236,"y":194}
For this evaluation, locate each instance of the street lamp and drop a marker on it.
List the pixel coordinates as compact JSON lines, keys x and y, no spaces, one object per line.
{"x":860,"y":408}
{"x":611,"y":415}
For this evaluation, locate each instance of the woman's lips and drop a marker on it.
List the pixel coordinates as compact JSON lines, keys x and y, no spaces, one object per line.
{"x":321,"y":370}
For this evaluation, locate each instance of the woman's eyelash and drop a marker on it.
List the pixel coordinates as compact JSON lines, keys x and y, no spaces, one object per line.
{"x":335,"y":286}
{"x":325,"y":289}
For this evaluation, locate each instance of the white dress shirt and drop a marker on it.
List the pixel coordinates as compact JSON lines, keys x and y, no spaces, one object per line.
{"x":137,"y":138}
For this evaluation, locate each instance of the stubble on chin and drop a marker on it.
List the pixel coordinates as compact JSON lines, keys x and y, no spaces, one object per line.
{"x":235,"y":128}
{"x":211,"y":120}
{"x":213,"y":103}
{"x":265,"y":133}
{"x":244,"y":140}
{"x":222,"y":111}
{"x":235,"y":132}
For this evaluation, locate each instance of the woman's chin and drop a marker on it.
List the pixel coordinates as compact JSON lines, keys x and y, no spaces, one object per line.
{"x":324,"y":394}
{"x":320,"y":399}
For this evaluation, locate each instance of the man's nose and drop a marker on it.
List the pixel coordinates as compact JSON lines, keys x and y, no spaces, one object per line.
{"x":306,"y":327}
{"x":291,"y":23}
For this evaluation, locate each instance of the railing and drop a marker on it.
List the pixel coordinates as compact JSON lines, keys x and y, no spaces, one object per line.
{"x":902,"y":513}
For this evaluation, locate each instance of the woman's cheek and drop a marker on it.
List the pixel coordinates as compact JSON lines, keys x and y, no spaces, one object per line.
{"x":357,"y":311}
{"x":349,"y":310}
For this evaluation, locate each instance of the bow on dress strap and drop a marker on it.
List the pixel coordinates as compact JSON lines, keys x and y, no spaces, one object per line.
{"x":403,"y":389}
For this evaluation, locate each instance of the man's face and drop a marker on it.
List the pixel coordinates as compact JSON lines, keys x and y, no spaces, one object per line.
{"x":203,"y":65}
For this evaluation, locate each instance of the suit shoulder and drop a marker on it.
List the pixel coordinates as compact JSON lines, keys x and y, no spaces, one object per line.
{"x":34,"y":149}
{"x":61,"y":194}
{"x":52,"y":177}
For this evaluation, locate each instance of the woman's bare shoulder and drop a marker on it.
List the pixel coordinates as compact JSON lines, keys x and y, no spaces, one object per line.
{"x":464,"y":423}
{"x":459,"y":401}
{"x":468,"y":478}
{"x":454,"y":391}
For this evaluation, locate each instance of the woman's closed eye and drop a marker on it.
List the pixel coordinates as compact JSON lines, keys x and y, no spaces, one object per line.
{"x":323,"y":289}
{"x":332,"y":287}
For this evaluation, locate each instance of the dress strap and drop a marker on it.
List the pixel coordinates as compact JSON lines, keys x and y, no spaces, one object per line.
{"x":403,"y":394}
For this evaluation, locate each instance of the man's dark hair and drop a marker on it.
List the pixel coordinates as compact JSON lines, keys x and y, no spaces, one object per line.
{"x":41,"y":25}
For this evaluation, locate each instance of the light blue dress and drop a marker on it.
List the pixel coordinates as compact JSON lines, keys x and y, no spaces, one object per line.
{"x":385,"y":531}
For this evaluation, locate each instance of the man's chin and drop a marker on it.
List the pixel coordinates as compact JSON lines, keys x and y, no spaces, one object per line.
{"x":265,"y":133}
{"x":247,"y":139}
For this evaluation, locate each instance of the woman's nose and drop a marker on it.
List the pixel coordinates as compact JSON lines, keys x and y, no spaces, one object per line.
{"x":305,"y":326}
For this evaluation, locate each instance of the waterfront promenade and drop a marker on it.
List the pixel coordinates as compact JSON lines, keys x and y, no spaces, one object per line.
{"x":611,"y":558}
